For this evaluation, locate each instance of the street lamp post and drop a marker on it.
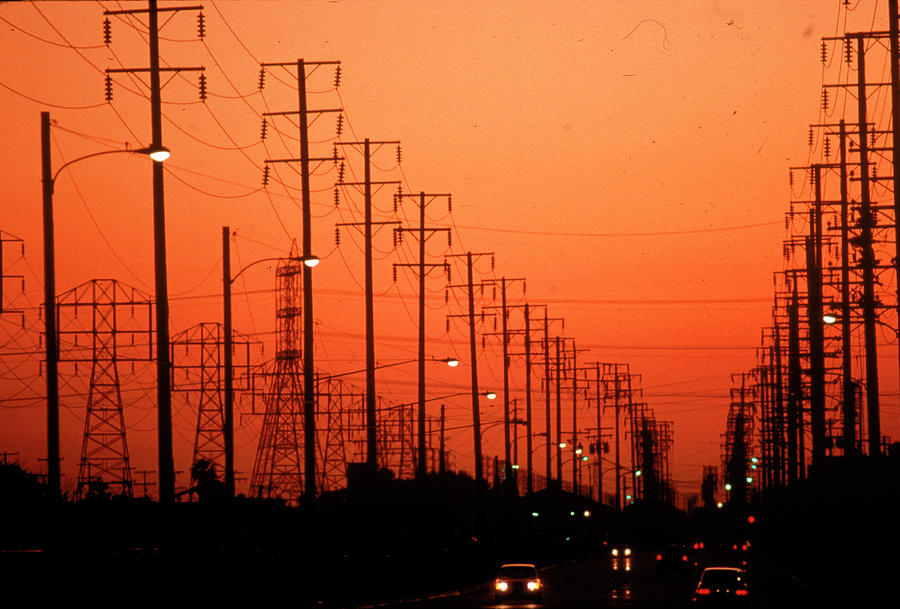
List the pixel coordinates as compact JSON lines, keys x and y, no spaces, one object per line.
{"x":227,"y":281}
{"x":48,"y":180}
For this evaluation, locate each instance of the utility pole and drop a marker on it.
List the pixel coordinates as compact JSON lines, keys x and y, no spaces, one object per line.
{"x":848,"y":403}
{"x":163,"y":364}
{"x":309,"y":260}
{"x":371,"y":414}
{"x":816,"y":329}
{"x":868,"y":259}
{"x":229,"y":377}
{"x":422,"y":231}
{"x":508,"y":472}
{"x":51,"y":342}
{"x":895,"y":140}
{"x":795,"y":385}
{"x":473,"y":357}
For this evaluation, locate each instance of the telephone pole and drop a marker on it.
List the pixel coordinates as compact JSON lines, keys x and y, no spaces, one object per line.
{"x":473,"y":356}
{"x":309,"y":259}
{"x":367,"y":224}
{"x":422,"y":232}
{"x":163,"y":364}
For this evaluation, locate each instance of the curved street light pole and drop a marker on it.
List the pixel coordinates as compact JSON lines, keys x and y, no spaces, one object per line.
{"x":51,"y":346}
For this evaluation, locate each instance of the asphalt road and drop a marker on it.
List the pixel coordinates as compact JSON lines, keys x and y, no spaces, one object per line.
{"x":637,"y":582}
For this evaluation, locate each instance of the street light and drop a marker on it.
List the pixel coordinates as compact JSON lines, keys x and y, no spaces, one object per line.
{"x":48,"y":180}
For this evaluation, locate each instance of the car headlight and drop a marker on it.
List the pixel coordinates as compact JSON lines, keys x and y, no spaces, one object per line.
{"x":501,"y":585}
{"x":627,"y":551}
{"x":615,"y":551}
{"x":534,"y":585}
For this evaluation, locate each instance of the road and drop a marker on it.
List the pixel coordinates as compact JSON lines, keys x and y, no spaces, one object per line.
{"x":605,"y":582}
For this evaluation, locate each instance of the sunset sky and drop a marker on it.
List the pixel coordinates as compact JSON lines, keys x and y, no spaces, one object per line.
{"x":629,"y":160}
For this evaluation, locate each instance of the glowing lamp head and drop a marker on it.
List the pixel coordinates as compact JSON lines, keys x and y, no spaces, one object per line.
{"x":159,"y":154}
{"x":490,"y":395}
{"x":829,"y":318}
{"x":310,"y":261}
{"x":452,"y":362}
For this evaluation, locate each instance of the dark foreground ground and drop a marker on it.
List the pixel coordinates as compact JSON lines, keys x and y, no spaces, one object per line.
{"x":442,"y":538}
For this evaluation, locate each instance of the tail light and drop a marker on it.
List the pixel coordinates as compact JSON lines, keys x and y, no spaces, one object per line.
{"x":703,"y":591}
{"x":741,"y":592}
{"x":659,"y":557}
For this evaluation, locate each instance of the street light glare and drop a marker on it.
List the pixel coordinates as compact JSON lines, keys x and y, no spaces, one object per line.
{"x":160,"y":154}
{"x":452,"y":362}
{"x":490,"y":395}
{"x":828,"y":318}
{"x":311,"y":261}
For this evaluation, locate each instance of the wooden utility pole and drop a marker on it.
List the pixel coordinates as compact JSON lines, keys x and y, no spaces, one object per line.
{"x":422,"y":231}
{"x":367,"y":224}
{"x":473,"y":354}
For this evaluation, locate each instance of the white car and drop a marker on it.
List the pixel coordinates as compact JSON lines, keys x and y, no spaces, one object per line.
{"x":517,"y":580}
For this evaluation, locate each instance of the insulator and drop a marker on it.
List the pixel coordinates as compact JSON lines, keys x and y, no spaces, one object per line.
{"x":812,"y":177}
{"x":493,"y":292}
{"x":787,"y":222}
{"x":447,"y":271}
{"x":447,"y":299}
{"x":874,"y":171}
{"x":395,"y":238}
{"x":483,"y":342}
{"x":399,"y":235}
{"x":812,"y":137}
{"x":263,"y":128}
{"x":337,"y":197}
{"x":334,"y":155}
{"x":337,"y":235}
{"x":448,"y":326}
{"x":395,"y":274}
{"x":341,"y":173}
{"x":791,"y":177}
{"x":449,"y":203}
{"x":449,"y":239}
{"x":107,"y":31}
{"x":399,"y":156}
{"x":266,"y":175}
{"x":337,"y":76}
{"x":262,"y":77}
{"x":825,"y":99}
{"x":848,"y":50}
{"x":827,"y":146}
{"x":872,"y":139}
{"x":495,"y":323}
{"x":202,"y":87}
{"x":492,"y":262}
{"x":109,"y":89}
{"x":340,"y":124}
{"x":396,"y":198}
{"x":201,"y":26}
{"x":824,"y":52}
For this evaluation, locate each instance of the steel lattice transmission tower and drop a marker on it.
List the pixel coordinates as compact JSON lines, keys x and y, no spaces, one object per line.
{"x":277,"y":471}
{"x":121,"y":326}
{"x":198,"y":369}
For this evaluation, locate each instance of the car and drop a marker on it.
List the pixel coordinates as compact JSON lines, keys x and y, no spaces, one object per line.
{"x":517,"y":580}
{"x":620,"y":550}
{"x":722,"y":586}
{"x":673,"y":556}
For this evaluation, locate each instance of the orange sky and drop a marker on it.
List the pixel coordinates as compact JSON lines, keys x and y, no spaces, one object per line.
{"x":629,"y":160}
